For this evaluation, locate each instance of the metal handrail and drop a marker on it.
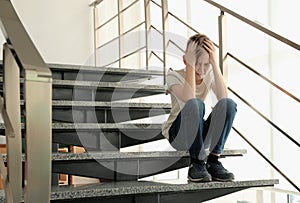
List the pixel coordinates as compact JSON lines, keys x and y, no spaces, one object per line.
{"x":255,"y":25}
{"x":95,"y":3}
{"x":157,"y":30}
{"x":116,"y":38}
{"x":106,"y":22}
{"x":265,"y":78}
{"x":160,"y":59}
{"x":176,"y":45}
{"x":188,"y":26}
{"x":266,"y":159}
{"x":155,"y":3}
{"x":184,"y":23}
{"x":125,"y":56}
{"x":265,"y":118}
{"x":115,"y":16}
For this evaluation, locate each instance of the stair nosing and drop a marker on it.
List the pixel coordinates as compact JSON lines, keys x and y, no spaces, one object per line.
{"x":109,"y":69}
{"x":122,"y":104}
{"x":110,"y":155}
{"x":146,"y":187}
{"x":93,"y":84}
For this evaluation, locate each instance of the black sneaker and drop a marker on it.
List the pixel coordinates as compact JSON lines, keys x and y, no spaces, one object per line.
{"x":218,"y":172}
{"x":198,"y":173}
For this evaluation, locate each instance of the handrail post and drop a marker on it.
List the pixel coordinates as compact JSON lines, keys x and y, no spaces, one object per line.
{"x":147,"y":30}
{"x":223,"y":45}
{"x":164,"y":4}
{"x":38,"y":107}
{"x":95,"y":17}
{"x":13,"y":141}
{"x":120,"y":30}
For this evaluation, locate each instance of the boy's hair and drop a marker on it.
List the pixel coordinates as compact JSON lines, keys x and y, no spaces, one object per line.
{"x":199,"y":39}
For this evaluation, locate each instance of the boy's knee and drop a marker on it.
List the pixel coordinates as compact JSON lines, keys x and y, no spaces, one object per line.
{"x":195,"y":105}
{"x":229,"y":104}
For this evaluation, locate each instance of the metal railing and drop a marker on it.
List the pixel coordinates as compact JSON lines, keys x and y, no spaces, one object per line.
{"x":21,"y":56}
{"x":223,"y":56}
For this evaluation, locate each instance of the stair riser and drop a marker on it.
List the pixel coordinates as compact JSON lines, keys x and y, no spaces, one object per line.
{"x":103,"y":115}
{"x":99,"y":94}
{"x":105,"y":140}
{"x":87,"y":93}
{"x":96,"y":76}
{"x":120,"y":170}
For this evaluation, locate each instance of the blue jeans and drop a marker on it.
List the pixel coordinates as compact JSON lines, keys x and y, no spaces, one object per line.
{"x":192,"y":133}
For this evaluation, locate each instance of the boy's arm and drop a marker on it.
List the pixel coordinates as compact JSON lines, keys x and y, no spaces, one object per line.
{"x":219,"y":87}
{"x":187,"y":91}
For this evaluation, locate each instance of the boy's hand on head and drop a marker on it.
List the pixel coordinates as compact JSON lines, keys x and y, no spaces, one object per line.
{"x":190,"y":54}
{"x":210,"y":48}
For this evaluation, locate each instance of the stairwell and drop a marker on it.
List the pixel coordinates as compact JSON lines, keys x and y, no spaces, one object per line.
{"x":92,"y":114}
{"x":99,"y":109}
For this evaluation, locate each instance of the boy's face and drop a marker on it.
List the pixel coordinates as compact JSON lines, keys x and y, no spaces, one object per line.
{"x":202,"y":65}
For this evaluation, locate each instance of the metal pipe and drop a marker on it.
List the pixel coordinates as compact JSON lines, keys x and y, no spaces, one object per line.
{"x":164,"y":4}
{"x":265,"y":78}
{"x":255,"y":25}
{"x":266,"y":159}
{"x":265,"y":118}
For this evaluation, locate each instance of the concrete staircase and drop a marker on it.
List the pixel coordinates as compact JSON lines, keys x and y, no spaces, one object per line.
{"x":90,"y":110}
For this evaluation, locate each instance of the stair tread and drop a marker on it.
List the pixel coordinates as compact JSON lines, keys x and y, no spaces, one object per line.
{"x":145,"y":187}
{"x":108,"y":126}
{"x":142,"y":187}
{"x":96,"y":68}
{"x":137,"y":126}
{"x":93,"y":84}
{"x":105,"y":104}
{"x":105,"y":155}
{"x":66,"y":103}
{"x":103,"y":69}
{"x":132,"y":155}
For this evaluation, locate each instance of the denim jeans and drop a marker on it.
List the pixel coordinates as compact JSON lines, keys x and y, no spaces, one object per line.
{"x":191,"y":132}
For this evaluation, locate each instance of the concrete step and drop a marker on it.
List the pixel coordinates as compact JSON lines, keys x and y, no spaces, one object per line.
{"x":103,"y":74}
{"x":102,"y":91}
{"x":150,"y":192}
{"x":99,"y":91}
{"x":105,"y":112}
{"x":103,"y":137}
{"x":122,"y":165}
{"x":98,"y":74}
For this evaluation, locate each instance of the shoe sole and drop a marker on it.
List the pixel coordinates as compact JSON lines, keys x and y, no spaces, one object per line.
{"x":205,"y":179}
{"x":222,"y":180}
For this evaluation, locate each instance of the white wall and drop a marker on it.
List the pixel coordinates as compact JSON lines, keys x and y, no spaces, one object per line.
{"x":61,"y":30}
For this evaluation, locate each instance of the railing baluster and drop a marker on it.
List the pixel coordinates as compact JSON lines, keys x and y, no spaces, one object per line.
{"x":147,"y":30}
{"x":164,"y":4}
{"x":120,"y":30}
{"x":96,"y":41}
{"x":223,"y":46}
